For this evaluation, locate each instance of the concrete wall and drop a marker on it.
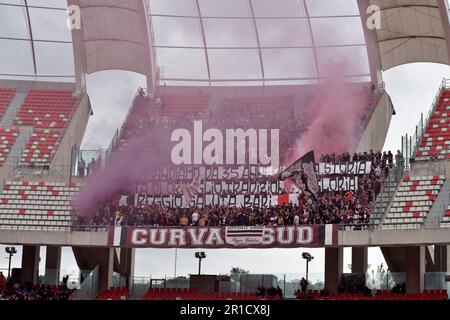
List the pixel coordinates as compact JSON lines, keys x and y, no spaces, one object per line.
{"x":5,"y":173}
{"x":76,"y":238}
{"x":376,"y":131}
{"x":73,"y":135}
{"x":430,"y":168}
{"x":363,"y":238}
{"x":423,"y":236}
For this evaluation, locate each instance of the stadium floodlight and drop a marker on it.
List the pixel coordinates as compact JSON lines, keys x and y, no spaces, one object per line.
{"x":308,"y":257}
{"x":200,"y":255}
{"x":11,"y":251}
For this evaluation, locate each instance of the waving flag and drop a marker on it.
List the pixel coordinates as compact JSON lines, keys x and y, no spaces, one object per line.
{"x":190,"y":190}
{"x":303,"y":173}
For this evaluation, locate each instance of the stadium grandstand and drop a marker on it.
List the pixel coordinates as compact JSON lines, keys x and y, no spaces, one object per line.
{"x":254,"y":130}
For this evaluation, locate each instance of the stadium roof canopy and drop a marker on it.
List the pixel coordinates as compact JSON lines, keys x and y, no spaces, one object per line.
{"x":220,"y":42}
{"x":411,"y":31}
{"x":34,"y":41}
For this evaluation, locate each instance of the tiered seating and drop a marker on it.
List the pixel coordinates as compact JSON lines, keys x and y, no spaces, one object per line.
{"x":46,"y":108}
{"x":41,"y":147}
{"x":176,"y":106}
{"x":413,"y":201}
{"x":114,"y":294}
{"x":7,"y":140}
{"x":383,"y":200}
{"x":37,"y":205}
{"x":6,"y":96}
{"x":436,"y":138}
{"x":195,"y":294}
{"x":446,"y":218}
{"x":253,"y":105}
{"x":48,"y":111}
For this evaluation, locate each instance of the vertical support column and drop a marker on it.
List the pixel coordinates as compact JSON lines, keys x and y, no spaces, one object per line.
{"x":127,"y":256}
{"x":359,"y":259}
{"x":52,"y":265}
{"x":106,"y":264}
{"x":333,"y":268}
{"x":30,"y":264}
{"x":415,"y":269}
{"x":440,"y":258}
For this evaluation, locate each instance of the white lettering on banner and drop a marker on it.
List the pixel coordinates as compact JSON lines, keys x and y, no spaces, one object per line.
{"x":214,"y":237}
{"x":197,"y":172}
{"x":247,"y":201}
{"x":139,"y":236}
{"x":197,"y":237}
{"x":162,"y":236}
{"x":354,"y":168}
{"x":304,"y":235}
{"x":213,"y":187}
{"x":339,"y":183}
{"x":177,"y":237}
{"x":228,"y":237}
{"x":282,"y":231}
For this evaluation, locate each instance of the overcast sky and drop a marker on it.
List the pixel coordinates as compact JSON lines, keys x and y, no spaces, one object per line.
{"x":411,"y":87}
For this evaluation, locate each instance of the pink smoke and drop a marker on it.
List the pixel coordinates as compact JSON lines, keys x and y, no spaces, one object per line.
{"x":333,"y":117}
{"x":143,"y":155}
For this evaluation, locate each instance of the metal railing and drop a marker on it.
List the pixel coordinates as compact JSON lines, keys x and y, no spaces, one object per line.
{"x":394,"y":176}
{"x":409,"y":144}
{"x":59,"y":172}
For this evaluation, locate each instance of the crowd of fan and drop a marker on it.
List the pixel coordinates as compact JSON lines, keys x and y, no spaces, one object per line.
{"x":142,"y":120}
{"x":145,"y":116}
{"x":340,"y":207}
{"x":378,"y":159}
{"x":14,"y":290}
{"x":327,"y":207}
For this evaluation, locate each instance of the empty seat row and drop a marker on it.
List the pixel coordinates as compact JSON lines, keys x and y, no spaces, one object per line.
{"x":7,"y":140}
{"x":6,"y":96}
{"x":446,"y":218}
{"x":49,"y":112}
{"x":412,"y":202}
{"x":52,"y":210}
{"x":436,"y":138}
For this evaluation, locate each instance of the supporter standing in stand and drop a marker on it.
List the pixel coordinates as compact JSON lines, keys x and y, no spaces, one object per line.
{"x":303,"y":285}
{"x":184,"y":221}
{"x":195,"y":217}
{"x":2,"y":280}
{"x":399,"y":161}
{"x":81,"y":167}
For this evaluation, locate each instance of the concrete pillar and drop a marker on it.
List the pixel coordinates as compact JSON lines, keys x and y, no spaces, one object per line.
{"x":359,"y":259}
{"x":447,"y":258}
{"x":30,"y":264}
{"x":333,"y":268}
{"x":415,"y":269}
{"x":105,"y":268}
{"x":52,"y":265}
{"x":127,"y":257}
{"x":440,"y":258}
